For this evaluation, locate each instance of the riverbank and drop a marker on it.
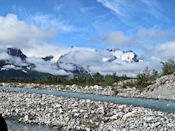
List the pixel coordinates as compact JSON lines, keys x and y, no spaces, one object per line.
{"x":69,"y":113}
{"x":161,"y":88}
{"x":70,"y":88}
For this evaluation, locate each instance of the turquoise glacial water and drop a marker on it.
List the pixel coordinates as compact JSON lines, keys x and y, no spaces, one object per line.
{"x":162,"y":105}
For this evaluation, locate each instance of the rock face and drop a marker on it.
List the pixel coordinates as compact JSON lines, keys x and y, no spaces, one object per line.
{"x":163,"y":88}
{"x":48,"y":58}
{"x":16,"y":53}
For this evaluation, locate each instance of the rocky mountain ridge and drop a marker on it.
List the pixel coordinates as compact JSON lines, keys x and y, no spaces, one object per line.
{"x":75,"y":61}
{"x":15,"y":52}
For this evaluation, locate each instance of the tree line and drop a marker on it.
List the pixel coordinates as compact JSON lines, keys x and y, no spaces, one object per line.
{"x":82,"y":79}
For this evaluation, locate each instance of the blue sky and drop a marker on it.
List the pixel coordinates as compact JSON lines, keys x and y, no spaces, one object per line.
{"x":140,"y":25}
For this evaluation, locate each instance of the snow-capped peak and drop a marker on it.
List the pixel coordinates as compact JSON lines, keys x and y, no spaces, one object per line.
{"x":128,"y":56}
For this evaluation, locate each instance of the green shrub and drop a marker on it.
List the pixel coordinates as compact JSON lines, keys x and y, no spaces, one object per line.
{"x":154,"y":74}
{"x":128,"y":84}
{"x":109,"y":80}
{"x":124,"y":77}
{"x":115,"y":92}
{"x":146,"y":78}
{"x":168,"y":67}
{"x":124,"y":85}
{"x":142,"y":81}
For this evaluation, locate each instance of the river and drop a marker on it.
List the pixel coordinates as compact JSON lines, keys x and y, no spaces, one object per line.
{"x":162,"y":105}
{"x":15,"y":126}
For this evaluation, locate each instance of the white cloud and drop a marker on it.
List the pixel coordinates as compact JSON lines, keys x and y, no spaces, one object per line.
{"x":112,"y":4}
{"x":153,"y":34}
{"x":130,"y":69}
{"x":43,"y":49}
{"x":86,"y":56}
{"x":165,"y":51}
{"x":141,"y":38}
{"x":67,"y":66}
{"x":4,"y":55}
{"x":14,"y":32}
{"x":32,"y":40}
{"x":46,"y":67}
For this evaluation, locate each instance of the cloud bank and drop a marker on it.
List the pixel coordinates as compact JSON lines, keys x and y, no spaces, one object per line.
{"x":17,"y":33}
{"x":33,"y":41}
{"x":141,"y":38}
{"x":165,"y":51}
{"x":93,"y":61}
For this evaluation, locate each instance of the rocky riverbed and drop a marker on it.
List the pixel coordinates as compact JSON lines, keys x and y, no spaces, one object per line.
{"x":75,"y":114}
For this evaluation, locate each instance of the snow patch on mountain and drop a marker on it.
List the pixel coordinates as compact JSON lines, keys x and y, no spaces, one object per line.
{"x":8,"y":67}
{"x":128,"y":56}
{"x":77,"y":60}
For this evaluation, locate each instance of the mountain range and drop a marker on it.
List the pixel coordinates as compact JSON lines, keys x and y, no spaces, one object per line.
{"x":15,"y":64}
